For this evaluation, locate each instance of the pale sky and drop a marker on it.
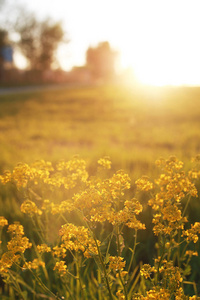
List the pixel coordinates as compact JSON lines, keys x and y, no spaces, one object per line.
{"x":160,"y":39}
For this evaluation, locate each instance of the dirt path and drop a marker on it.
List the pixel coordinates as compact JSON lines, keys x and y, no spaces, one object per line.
{"x":37,"y":88}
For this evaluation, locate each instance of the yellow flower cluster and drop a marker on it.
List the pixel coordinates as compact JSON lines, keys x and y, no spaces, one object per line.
{"x":162,"y":294}
{"x":59,"y":251}
{"x":192,"y":233}
{"x":35,"y":264}
{"x":7,"y":260}
{"x":29,"y":207}
{"x":120,"y":295}
{"x":147,"y":271}
{"x":173,"y":186}
{"x":105,"y":162}
{"x":171,"y":282}
{"x":95,"y":200}
{"x":143,"y":184}
{"x":18,"y":242}
{"x":6,"y":177}
{"x":64,"y":174}
{"x":43,"y":248}
{"x":171,"y":276}
{"x":154,"y":294}
{"x":127,"y":215}
{"x":100,"y":201}
{"x":170,"y":164}
{"x":16,"y":246}
{"x":77,"y":238}
{"x":60,"y":267}
{"x":117,"y":264}
{"x":3,"y":221}
{"x":74,"y":170}
{"x":22,"y":174}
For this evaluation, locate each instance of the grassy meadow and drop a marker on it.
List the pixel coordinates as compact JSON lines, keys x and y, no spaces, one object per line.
{"x":134,"y":127}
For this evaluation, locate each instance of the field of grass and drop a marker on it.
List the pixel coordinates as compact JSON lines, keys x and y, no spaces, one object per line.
{"x":133,"y":127}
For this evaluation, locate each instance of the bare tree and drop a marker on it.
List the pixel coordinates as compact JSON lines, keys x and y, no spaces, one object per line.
{"x":39,"y":41}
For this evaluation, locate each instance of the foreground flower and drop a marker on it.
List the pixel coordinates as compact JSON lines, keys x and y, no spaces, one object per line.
{"x":29,"y":207}
{"x":3,"y":221}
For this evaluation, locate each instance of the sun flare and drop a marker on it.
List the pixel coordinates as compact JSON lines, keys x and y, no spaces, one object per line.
{"x":163,"y":46}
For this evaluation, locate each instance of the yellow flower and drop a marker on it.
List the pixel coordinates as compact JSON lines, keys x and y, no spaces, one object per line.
{"x":191,"y":253}
{"x":29,"y":207}
{"x":105,"y":162}
{"x":22,"y":174}
{"x":35,"y":264}
{"x":43,"y":248}
{"x":18,"y":244}
{"x":143,"y":184}
{"x":78,"y":238}
{"x":61,"y":267}
{"x":3,"y":221}
{"x":133,"y":205}
{"x":147,"y":270}
{"x":6,"y":177}
{"x":116,"y":263}
{"x":171,"y":213}
{"x":191,"y":234}
{"x":16,"y":229}
{"x":120,"y":295}
{"x":59,"y":251}
{"x":7,"y":260}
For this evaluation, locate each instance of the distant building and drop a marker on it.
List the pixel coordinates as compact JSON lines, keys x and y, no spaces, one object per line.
{"x":80,"y":74}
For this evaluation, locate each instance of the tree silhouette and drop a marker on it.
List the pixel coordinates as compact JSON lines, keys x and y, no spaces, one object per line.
{"x":39,"y":41}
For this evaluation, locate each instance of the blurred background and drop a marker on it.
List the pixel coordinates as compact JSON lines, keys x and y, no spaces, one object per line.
{"x":152,"y":42}
{"x":118,"y":78}
{"x":95,"y":78}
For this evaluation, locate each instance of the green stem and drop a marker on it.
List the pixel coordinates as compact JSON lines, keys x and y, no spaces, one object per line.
{"x":109,"y":243}
{"x":101,"y":260}
{"x":119,"y":254}
{"x":99,"y":282}
{"x":45,"y":288}
{"x":160,"y":261}
{"x":123,"y":285}
{"x":79,"y":283}
{"x":38,"y":231}
{"x":16,"y":286}
{"x":187,"y":203}
{"x":179,"y":232}
{"x":66,"y":285}
{"x":133,"y":251}
{"x":104,"y":269}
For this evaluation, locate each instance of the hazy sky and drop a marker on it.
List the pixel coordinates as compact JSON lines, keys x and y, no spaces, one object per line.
{"x":160,"y":39}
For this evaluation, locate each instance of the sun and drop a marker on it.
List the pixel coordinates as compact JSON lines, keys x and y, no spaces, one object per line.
{"x":159,"y":67}
{"x":162,"y":48}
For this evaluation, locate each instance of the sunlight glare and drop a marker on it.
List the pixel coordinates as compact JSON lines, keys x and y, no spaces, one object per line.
{"x":19,"y":60}
{"x":163,"y":49}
